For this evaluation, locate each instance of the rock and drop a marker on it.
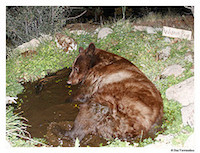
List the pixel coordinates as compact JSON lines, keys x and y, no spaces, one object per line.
{"x":140,"y":28}
{"x":190,"y":142}
{"x":189,"y":56}
{"x":158,"y":29}
{"x":97,"y":30}
{"x":44,"y":38}
{"x":167,"y":40}
{"x":79,"y":32}
{"x":182,"y":92}
{"x":188,"y":115}
{"x":34,"y":43}
{"x":175,"y":70}
{"x":151,"y":30}
{"x":104,"y":32}
{"x":164,"y":53}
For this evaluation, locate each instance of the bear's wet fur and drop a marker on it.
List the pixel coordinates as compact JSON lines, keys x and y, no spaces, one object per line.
{"x":119,"y":101}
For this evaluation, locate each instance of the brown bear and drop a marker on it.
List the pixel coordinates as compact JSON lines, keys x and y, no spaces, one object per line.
{"x":119,"y":101}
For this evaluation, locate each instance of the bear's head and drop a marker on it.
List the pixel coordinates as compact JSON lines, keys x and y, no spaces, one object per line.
{"x":82,"y":64}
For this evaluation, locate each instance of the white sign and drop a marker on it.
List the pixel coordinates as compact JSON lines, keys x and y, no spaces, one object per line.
{"x":177,"y":33}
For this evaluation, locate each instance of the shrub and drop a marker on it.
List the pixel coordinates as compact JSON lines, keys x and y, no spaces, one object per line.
{"x":24,"y":23}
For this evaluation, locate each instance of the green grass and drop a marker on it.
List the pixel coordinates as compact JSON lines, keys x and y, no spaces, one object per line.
{"x":138,"y":47}
{"x":16,"y":132}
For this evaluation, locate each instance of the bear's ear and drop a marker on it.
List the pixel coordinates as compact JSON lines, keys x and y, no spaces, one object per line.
{"x":90,"y":49}
{"x":81,"y":49}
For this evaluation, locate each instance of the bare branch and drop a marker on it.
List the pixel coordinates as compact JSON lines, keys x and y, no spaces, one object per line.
{"x":75,"y":17}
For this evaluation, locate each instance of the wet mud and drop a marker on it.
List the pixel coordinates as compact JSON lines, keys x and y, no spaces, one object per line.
{"x":45,"y":104}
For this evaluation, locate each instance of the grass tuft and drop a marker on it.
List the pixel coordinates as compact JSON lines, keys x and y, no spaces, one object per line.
{"x":16,"y":132}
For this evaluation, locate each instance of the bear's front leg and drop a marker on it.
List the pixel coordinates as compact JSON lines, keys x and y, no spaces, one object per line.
{"x":91,"y":114}
{"x":84,"y":124}
{"x":59,"y":132}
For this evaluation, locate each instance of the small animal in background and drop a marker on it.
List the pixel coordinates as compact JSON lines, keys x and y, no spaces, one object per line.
{"x":29,"y":53}
{"x":65,"y":42}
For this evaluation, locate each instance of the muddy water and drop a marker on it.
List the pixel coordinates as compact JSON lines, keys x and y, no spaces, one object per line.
{"x":45,"y":104}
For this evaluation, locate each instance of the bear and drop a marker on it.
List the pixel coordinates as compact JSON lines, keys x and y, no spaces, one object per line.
{"x":118,"y":100}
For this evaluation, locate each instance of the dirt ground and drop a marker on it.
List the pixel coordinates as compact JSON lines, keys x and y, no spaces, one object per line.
{"x":182,"y":22}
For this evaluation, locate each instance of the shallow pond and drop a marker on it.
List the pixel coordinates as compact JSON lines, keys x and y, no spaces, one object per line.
{"x":45,"y":104}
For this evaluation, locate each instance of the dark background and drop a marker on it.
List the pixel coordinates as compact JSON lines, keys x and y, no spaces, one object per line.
{"x":24,"y":23}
